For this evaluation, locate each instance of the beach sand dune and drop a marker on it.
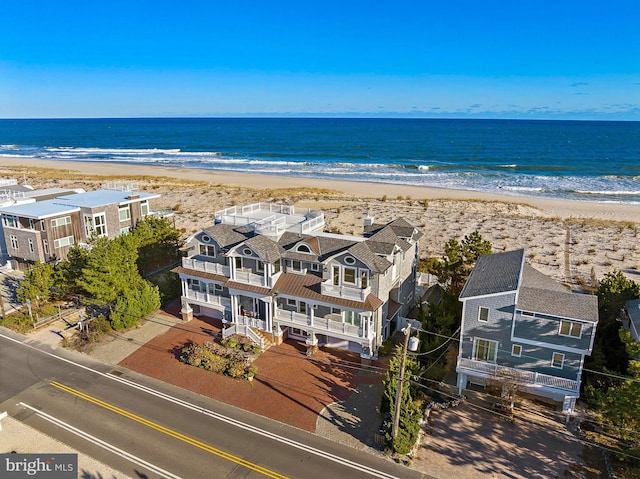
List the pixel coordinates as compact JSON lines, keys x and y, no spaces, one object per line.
{"x":572,"y":241}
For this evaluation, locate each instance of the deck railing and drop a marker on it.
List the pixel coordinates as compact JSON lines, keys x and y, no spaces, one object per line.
{"x":347,"y":292}
{"x":528,"y":378}
{"x":295,"y":319}
{"x":206,"y":266}
{"x":209,"y":299}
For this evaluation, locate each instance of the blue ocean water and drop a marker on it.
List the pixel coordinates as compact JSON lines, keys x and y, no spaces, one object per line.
{"x":584,"y":160}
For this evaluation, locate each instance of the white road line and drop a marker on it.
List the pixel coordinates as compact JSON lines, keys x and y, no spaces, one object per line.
{"x":105,"y":445}
{"x":234,"y":422}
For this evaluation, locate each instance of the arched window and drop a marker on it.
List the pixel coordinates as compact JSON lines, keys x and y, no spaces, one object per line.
{"x":303,"y":248}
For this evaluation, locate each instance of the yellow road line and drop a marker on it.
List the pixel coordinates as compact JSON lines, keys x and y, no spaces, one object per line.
{"x":169,"y":432}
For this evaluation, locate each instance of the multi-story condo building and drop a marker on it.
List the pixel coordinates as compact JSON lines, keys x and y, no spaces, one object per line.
{"x":522,"y":327}
{"x":45,"y":230}
{"x":270,"y":272}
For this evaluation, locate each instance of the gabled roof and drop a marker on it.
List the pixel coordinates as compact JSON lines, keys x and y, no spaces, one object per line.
{"x":365,"y":254}
{"x":388,"y":235}
{"x":494,"y":273}
{"x":225,"y":235}
{"x":267,"y":249}
{"x":400,"y":226}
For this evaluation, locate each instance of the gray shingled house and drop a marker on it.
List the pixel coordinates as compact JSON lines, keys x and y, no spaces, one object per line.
{"x":270,"y":272}
{"x":522,"y":327}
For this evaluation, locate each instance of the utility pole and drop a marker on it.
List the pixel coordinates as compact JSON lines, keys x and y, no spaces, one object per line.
{"x":396,"y":416}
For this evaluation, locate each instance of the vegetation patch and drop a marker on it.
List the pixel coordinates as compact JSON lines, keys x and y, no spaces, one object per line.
{"x":219,"y":359}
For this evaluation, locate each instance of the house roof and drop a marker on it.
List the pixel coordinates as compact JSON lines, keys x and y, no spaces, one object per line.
{"x":494,"y":273}
{"x":202,"y":274}
{"x":39,"y":210}
{"x":97,"y":198}
{"x":267,"y":249}
{"x":309,"y":286}
{"x":564,"y":304}
{"x":365,"y":254}
{"x":225,"y":235}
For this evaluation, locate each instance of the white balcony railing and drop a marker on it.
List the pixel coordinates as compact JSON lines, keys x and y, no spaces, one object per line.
{"x":209,"y":299}
{"x":347,"y":292}
{"x":292,"y":318}
{"x":206,"y":266}
{"x":528,"y":378}
{"x":247,"y":277}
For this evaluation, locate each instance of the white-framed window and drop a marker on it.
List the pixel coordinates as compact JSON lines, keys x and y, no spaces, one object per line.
{"x":485,"y":350}
{"x":557,"y":360}
{"x":194,"y":284}
{"x":303,"y":248}
{"x":207,"y":250}
{"x":125,"y":231}
{"x":570,"y":328}
{"x":10,"y":221}
{"x":31,"y":248}
{"x":218,"y":287}
{"x":96,"y":224}
{"x":62,"y":242}
{"x":276,"y":266}
{"x":483,"y":314}
{"x":291,"y":302}
{"x":247,"y":252}
{"x":315,"y":266}
{"x":144,"y":208}
{"x":238,"y":260}
{"x":351,"y":317}
{"x":364,"y":278}
{"x":349,"y":276}
{"x":14,"y":241}
{"x":124,"y":213}
{"x":350,"y":260}
{"x":65,"y":220}
{"x":45,"y":246}
{"x":516,"y":350}
{"x":296,"y":265}
{"x":206,"y":238}
{"x":335,"y":275}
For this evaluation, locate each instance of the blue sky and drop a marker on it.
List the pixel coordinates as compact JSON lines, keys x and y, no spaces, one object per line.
{"x":491,"y":59}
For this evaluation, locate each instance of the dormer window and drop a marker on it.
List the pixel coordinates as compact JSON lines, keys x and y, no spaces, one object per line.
{"x":207,"y":250}
{"x":247,"y":252}
{"x":206,"y":239}
{"x":350,"y":260}
{"x":303,"y":248}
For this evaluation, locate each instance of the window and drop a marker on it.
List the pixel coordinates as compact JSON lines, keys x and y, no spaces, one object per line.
{"x":32,"y":223}
{"x":516,"y":350}
{"x":351,"y":317}
{"x":302,"y":307}
{"x":296,"y":265}
{"x":218,"y":287}
{"x":96,"y":224}
{"x":14,"y":241}
{"x":42,"y":225}
{"x":206,"y":238}
{"x":260,"y":266}
{"x":276,"y":267}
{"x":291,"y":302}
{"x":238,"y":262}
{"x":335,"y":273}
{"x":62,"y":242}
{"x":349,"y":260}
{"x":336,"y":311}
{"x":485,"y":350}
{"x":483,"y":314}
{"x":315,"y":267}
{"x":124,"y":213}
{"x":10,"y":221}
{"x":125,"y":230}
{"x":144,"y":208}
{"x":364,"y":279}
{"x":65,"y":220}
{"x":349,"y":276}
{"x":207,"y":250}
{"x":31,"y":249}
{"x":45,"y":246}
{"x":195,"y":284}
{"x":569,"y":328}
{"x":247,"y":252}
{"x":557,"y":360}
{"x":303,"y":248}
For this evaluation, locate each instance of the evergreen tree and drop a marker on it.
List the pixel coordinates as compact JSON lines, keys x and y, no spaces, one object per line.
{"x":68,"y":271}
{"x":37,"y":284}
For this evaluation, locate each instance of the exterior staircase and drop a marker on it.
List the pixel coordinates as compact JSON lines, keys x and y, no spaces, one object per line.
{"x":268,"y":342}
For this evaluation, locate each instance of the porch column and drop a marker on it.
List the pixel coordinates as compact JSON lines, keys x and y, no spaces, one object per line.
{"x":462,"y":383}
{"x":311,"y":313}
{"x":234,"y":308}
{"x":186,"y":312}
{"x":312,"y":344}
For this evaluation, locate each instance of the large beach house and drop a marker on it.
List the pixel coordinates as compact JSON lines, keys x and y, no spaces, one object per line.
{"x":522,"y":327}
{"x":268,"y":271}
{"x":45,"y":230}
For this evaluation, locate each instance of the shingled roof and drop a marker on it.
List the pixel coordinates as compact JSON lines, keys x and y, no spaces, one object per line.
{"x":494,"y":273}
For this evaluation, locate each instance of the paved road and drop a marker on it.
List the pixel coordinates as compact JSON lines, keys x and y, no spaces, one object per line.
{"x":167,"y":432}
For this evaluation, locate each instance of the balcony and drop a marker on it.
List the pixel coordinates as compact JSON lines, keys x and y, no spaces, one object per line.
{"x":209,"y":299}
{"x":206,"y":266}
{"x":320,"y":325}
{"x":527,"y":378}
{"x":345,"y":292}
{"x":247,"y":277}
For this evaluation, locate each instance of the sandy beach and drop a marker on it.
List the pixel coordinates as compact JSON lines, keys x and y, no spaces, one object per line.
{"x":568,"y":240}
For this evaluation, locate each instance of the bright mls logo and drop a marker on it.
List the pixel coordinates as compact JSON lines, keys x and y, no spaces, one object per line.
{"x":51,"y":466}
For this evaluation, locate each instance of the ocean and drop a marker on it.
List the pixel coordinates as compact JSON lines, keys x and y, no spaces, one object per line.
{"x":581,"y":160}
